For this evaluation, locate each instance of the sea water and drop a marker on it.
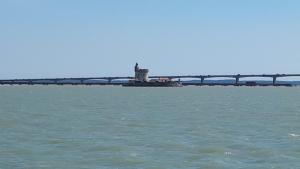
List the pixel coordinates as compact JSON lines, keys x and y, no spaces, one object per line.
{"x":109,"y":127}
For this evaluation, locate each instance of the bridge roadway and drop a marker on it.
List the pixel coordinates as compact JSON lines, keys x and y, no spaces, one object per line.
{"x":82,"y":80}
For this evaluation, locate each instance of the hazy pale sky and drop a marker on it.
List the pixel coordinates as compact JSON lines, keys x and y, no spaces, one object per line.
{"x":75,"y":38}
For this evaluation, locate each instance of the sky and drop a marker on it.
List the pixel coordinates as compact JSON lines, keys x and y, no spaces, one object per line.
{"x":86,"y":38}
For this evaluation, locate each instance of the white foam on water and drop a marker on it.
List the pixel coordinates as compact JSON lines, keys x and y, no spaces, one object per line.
{"x":294,"y":135}
{"x":228,"y":153}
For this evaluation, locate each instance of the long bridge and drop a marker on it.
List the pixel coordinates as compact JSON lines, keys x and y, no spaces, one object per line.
{"x":109,"y":80}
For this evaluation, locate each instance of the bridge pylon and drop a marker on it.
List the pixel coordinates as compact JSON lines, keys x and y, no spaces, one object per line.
{"x":202,"y":79}
{"x":237,"y":79}
{"x":274,"y":80}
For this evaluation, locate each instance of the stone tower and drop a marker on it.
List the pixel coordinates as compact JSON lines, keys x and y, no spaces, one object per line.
{"x":140,"y":74}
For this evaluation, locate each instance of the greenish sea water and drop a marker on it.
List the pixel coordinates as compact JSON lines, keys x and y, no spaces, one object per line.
{"x":71,"y":127}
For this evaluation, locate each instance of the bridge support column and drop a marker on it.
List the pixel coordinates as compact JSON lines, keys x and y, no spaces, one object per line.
{"x":274,"y":80}
{"x":202,"y":80}
{"x":237,"y":79}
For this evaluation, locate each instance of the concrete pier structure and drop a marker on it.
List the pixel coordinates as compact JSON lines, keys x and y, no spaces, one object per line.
{"x":237,"y":79}
{"x":274,"y":80}
{"x":202,"y":79}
